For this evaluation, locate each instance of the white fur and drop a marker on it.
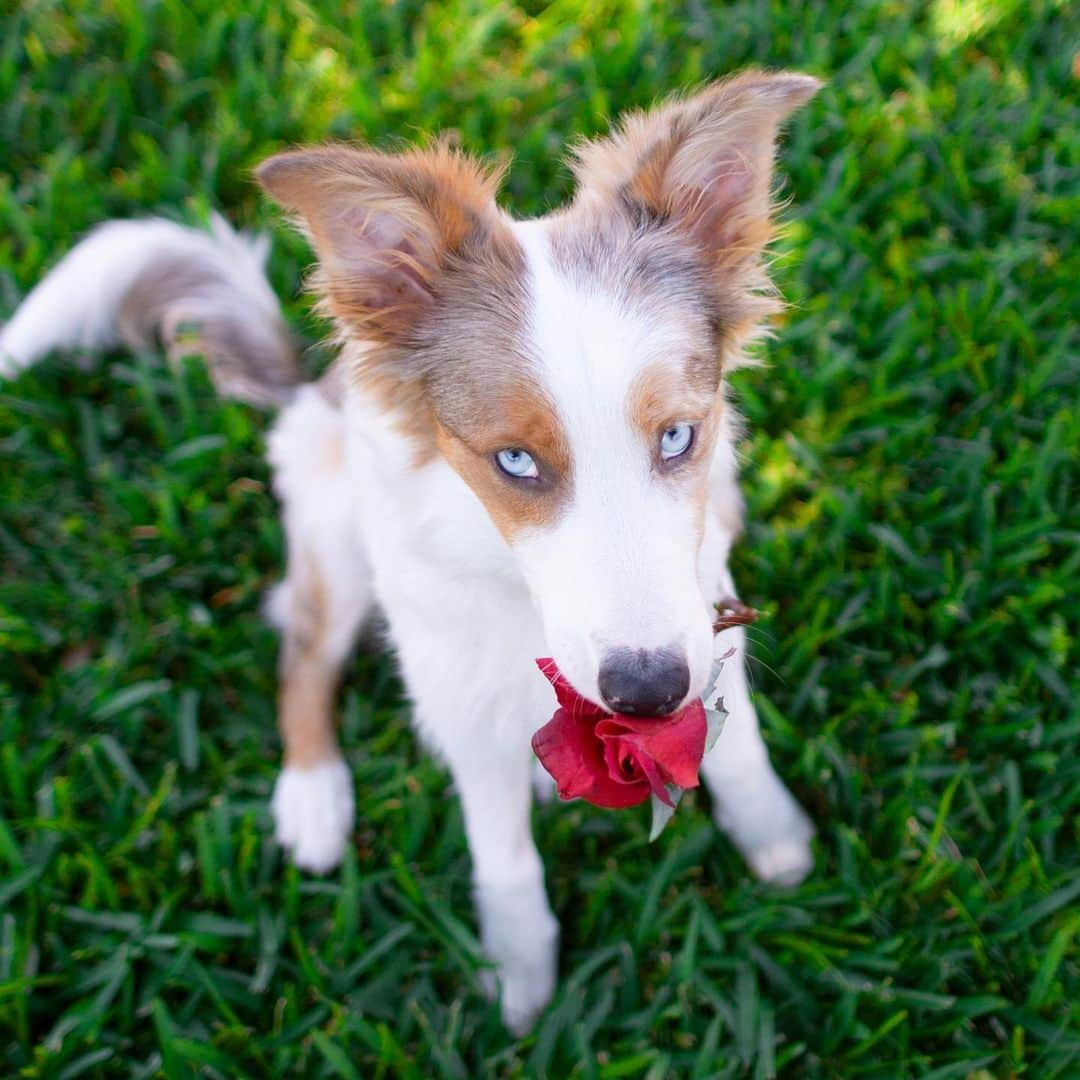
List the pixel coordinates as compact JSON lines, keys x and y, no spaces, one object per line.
{"x":76,"y":305}
{"x":313,"y":814}
{"x":306,"y":448}
{"x":750,"y":802}
{"x":619,"y":569}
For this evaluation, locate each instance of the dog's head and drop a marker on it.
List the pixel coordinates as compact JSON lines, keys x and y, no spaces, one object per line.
{"x":569,"y":369}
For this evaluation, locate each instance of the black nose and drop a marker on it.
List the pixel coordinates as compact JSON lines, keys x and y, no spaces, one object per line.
{"x":643,"y":683}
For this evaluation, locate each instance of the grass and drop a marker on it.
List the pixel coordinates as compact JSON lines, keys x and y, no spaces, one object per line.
{"x":914,"y":517}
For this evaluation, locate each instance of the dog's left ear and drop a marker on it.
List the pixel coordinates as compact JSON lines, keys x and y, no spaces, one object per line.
{"x":703,"y":164}
{"x":386,"y":226}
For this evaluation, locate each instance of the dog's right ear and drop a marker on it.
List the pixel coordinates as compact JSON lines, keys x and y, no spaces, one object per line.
{"x":701,"y":164}
{"x":384,"y":226}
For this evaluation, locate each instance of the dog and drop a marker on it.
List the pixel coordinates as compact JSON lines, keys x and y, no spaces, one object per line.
{"x":525,"y":448}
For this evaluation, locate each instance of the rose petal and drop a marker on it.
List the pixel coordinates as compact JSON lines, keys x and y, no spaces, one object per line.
{"x":568,"y":748}
{"x":567,"y":696}
{"x":613,"y":755}
{"x":676,"y":743}
{"x":642,"y":767}
{"x":583,"y":747}
{"x":656,"y":780}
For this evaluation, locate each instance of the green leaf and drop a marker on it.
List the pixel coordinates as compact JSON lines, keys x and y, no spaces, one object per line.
{"x":714,"y":720}
{"x":661,"y":812}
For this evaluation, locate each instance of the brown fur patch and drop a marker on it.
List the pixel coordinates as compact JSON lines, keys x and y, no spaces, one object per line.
{"x":306,"y":681}
{"x":517,"y":416}
{"x":306,"y":710}
{"x":466,"y":355}
{"x":384,"y":225}
{"x":665,"y":394}
{"x":418,"y":268}
{"x":698,"y":170}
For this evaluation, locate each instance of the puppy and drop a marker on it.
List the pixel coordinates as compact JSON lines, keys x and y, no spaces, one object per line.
{"x":524,"y":449}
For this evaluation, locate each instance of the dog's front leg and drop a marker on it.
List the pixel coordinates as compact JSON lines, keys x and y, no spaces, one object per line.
{"x":477,"y":700}
{"x":750,"y":802}
{"x":517,"y":928}
{"x":319,"y":608}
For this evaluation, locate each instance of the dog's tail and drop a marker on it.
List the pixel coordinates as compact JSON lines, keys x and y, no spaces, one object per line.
{"x":130,"y":282}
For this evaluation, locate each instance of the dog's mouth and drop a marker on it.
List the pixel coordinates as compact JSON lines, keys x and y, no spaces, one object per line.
{"x":614,"y":760}
{"x":571,"y":699}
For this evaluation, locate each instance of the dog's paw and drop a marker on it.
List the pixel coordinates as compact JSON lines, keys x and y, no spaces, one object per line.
{"x":778,"y":850}
{"x":523,"y":996}
{"x":313,"y":814}
{"x":784,"y":862}
{"x":523,"y":987}
{"x":770,"y":829}
{"x":521,"y":936}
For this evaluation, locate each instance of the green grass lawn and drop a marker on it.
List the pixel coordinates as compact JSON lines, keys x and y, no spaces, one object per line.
{"x":914,"y":517}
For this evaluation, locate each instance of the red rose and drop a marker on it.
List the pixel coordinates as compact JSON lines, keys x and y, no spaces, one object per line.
{"x":613,"y":760}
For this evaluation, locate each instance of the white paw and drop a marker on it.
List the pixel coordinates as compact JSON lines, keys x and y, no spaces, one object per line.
{"x":523,"y":997}
{"x":313,"y":814}
{"x":523,"y":989}
{"x":521,"y":936}
{"x":770,"y":829}
{"x":783,"y":862}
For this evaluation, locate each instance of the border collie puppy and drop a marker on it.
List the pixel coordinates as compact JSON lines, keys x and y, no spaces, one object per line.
{"x":524,"y":449}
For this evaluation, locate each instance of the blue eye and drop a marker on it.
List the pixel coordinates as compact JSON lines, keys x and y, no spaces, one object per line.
{"x":517,"y":463}
{"x":676,"y":441}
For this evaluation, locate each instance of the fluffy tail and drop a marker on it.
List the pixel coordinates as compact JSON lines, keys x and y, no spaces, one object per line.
{"x":130,"y":282}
